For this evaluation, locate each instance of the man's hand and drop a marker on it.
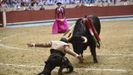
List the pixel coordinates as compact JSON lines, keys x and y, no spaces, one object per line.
{"x":31,"y":44}
{"x":80,"y":58}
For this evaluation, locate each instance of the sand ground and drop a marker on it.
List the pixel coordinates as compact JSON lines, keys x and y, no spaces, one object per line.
{"x":115,"y":56}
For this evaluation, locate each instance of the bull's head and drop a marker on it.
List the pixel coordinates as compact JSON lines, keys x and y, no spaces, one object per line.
{"x":79,"y":30}
{"x":84,"y":34}
{"x":78,"y":37}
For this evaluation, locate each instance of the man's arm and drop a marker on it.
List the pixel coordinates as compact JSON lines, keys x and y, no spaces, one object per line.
{"x":68,"y":50}
{"x":47,"y":44}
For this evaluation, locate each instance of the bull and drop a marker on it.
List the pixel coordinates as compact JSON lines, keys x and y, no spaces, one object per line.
{"x":81,"y":31}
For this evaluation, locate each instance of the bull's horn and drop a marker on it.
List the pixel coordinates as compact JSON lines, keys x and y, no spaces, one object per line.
{"x":85,"y":39}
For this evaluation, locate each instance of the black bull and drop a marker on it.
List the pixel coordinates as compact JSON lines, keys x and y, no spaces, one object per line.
{"x":81,"y":29}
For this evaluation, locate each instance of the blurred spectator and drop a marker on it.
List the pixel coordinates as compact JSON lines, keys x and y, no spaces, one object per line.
{"x":18,"y":5}
{"x":34,"y":3}
{"x":0,"y":3}
{"x":72,"y":1}
{"x":101,"y":2}
{"x":42,"y":8}
{"x":91,"y":1}
{"x":114,"y":1}
{"x":29,"y":8}
{"x":3,"y":4}
{"x":25,"y":2}
{"x":125,"y":1}
{"x":50,"y":2}
{"x":108,"y":2}
{"x":66,"y":2}
{"x":81,"y":1}
{"x":41,"y":2}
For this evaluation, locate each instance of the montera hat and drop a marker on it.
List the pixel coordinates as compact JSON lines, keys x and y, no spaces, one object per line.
{"x":58,"y":3}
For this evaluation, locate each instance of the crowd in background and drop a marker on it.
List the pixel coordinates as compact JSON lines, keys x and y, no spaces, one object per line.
{"x":30,"y":3}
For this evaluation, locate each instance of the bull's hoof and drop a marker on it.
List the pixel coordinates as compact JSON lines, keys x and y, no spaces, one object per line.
{"x":95,"y":61}
{"x":80,"y":59}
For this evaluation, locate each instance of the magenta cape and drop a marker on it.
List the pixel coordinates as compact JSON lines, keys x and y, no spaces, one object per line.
{"x":59,"y":26}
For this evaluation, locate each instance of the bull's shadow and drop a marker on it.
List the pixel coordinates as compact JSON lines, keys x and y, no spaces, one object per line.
{"x":81,"y":30}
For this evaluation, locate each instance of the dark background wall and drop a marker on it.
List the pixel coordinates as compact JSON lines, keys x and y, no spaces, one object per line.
{"x":1,"y":19}
{"x":24,"y":16}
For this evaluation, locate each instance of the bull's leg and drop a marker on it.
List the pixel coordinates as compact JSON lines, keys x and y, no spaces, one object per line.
{"x":93,"y":53}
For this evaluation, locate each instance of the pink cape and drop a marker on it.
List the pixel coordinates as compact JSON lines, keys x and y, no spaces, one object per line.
{"x":59,"y":26}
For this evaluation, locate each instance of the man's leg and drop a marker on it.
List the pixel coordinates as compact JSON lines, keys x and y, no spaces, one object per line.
{"x":65,"y":64}
{"x":50,"y":64}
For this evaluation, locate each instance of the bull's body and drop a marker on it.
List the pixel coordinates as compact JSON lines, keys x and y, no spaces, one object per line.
{"x":81,"y":29}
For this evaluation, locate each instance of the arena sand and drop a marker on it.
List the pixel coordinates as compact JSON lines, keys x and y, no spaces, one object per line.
{"x":115,"y":55}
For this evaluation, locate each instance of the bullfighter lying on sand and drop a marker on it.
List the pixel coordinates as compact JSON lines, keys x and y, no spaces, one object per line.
{"x":57,"y":57}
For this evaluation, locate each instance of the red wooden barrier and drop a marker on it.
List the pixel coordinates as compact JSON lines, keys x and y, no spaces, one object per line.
{"x":25,"y":16}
